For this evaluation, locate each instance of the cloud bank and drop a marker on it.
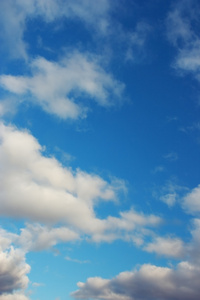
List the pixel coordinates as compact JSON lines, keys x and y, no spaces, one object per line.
{"x":148,"y":283}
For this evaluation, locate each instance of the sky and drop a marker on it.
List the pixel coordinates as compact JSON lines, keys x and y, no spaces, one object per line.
{"x":99,"y":149}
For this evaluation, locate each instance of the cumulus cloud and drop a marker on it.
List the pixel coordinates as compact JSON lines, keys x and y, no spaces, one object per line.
{"x":35,"y":237}
{"x":148,"y":283}
{"x":171,"y":247}
{"x":184,"y":36}
{"x":38,"y":188}
{"x":191,"y":202}
{"x":59,"y":88}
{"x":15,"y":13}
{"x":129,"y":226}
{"x":15,"y":296}
{"x":13,"y":271}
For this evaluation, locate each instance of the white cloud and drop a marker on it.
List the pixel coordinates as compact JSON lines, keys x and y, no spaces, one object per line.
{"x":60,"y":88}
{"x":171,"y":192}
{"x":171,"y":247}
{"x":38,"y":188}
{"x":13,"y":270}
{"x":15,"y":296}
{"x":191,"y":202}
{"x":35,"y":237}
{"x":147,"y":283}
{"x":129,"y":226}
{"x":7,"y":107}
{"x":15,"y":13}
{"x":184,"y":36}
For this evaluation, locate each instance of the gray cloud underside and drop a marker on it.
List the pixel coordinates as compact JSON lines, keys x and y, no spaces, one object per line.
{"x":148,"y":283}
{"x":13,"y":271}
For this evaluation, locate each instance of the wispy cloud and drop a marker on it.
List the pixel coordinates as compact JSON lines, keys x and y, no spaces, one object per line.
{"x":185,"y":37}
{"x":77,"y":260}
{"x":14,"y":15}
{"x":171,"y":156}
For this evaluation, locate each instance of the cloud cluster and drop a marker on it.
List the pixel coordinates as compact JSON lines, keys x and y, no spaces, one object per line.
{"x":13,"y":271}
{"x":148,"y":283}
{"x":38,"y":188}
{"x":59,"y":87}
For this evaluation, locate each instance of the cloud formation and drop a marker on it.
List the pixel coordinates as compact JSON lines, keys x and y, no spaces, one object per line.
{"x":60,"y":87}
{"x":191,"y":202}
{"x":148,"y":283}
{"x":171,"y":247}
{"x":13,"y":271}
{"x":38,"y":188}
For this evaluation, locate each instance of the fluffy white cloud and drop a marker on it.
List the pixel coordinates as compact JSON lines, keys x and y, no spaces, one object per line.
{"x":38,"y":188}
{"x":191,"y":202}
{"x":129,"y":226}
{"x":148,"y":283}
{"x":15,"y":13}
{"x":37,"y":237}
{"x":15,"y":296}
{"x":60,"y":88}
{"x":13,"y":270}
{"x":172,"y":247}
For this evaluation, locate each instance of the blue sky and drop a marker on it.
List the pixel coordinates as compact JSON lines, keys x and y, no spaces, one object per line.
{"x":99,"y":150}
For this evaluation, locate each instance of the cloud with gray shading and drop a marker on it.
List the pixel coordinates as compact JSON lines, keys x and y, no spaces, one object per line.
{"x":37,"y":188}
{"x":13,"y":271}
{"x":147,"y":283}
